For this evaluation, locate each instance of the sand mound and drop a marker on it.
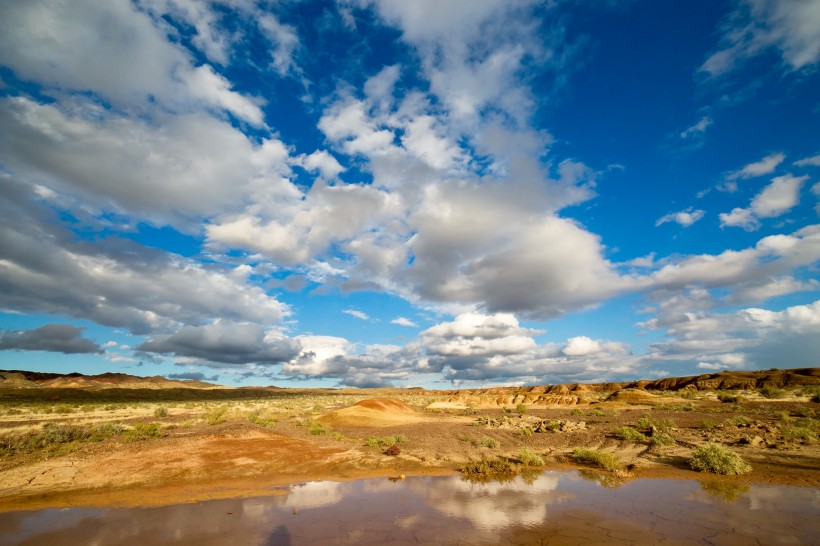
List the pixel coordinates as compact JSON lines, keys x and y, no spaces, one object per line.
{"x":379,"y":412}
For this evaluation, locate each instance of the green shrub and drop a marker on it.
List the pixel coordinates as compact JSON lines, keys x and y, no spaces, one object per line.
{"x":576,"y":411}
{"x":387,"y":441}
{"x":486,"y":441}
{"x":728,"y":398}
{"x":527,"y":458}
{"x":487,"y":467}
{"x":718,"y":460}
{"x":161,"y":412}
{"x":521,"y":408}
{"x":739,"y":420}
{"x":708,"y":424}
{"x":143,"y":431}
{"x":661,"y":440}
{"x":526,"y":432}
{"x":602,"y":459}
{"x":794,"y":432}
{"x":256,"y":418}
{"x":63,"y":409}
{"x":217,"y":416}
{"x":772,"y":392}
{"x":629,"y":434}
{"x":317,"y":429}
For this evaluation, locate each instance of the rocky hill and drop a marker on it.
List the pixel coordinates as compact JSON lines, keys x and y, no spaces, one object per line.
{"x":25,"y":379}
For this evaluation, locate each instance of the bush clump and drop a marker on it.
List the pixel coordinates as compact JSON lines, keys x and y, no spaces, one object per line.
{"x":486,"y":467}
{"x":528,"y":458}
{"x":317,"y":429}
{"x":161,"y":412}
{"x":143,"y":431}
{"x":486,"y":441}
{"x":629,"y":434}
{"x":772,"y":392}
{"x":718,"y":460}
{"x":602,"y":459}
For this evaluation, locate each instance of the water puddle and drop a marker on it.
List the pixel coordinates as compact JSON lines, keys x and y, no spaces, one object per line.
{"x":546,"y":508}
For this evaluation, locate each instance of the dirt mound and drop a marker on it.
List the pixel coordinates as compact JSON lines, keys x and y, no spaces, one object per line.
{"x":378,"y":412}
{"x":634,"y":396}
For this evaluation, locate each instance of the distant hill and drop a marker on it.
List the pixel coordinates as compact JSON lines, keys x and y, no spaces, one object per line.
{"x":34,"y":380}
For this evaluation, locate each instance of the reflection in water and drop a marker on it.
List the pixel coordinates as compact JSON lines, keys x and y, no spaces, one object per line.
{"x":725,"y":491}
{"x":560,"y":506}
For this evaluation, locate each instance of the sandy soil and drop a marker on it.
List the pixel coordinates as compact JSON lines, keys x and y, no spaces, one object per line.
{"x":260,"y":445}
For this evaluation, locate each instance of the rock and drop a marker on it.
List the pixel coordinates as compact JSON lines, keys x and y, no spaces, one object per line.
{"x":393,"y":450}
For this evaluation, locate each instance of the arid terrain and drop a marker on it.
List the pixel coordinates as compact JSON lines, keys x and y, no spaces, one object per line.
{"x":123,"y":440}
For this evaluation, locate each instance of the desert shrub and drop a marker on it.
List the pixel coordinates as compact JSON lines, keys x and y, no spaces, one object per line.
{"x":772,"y":392}
{"x":521,"y":408}
{"x":63,"y":409}
{"x":527,"y":458}
{"x":795,"y":432}
{"x":783,"y":416}
{"x":161,"y":412}
{"x":256,"y":418}
{"x":629,"y":434}
{"x":597,"y":413}
{"x":387,"y":441}
{"x":486,"y":441}
{"x":576,"y":411}
{"x":143,"y":431}
{"x":393,"y":450}
{"x":217,"y":416}
{"x":660,"y":425}
{"x":106,"y":430}
{"x":688,"y":394}
{"x":661,"y":440}
{"x":805,"y":411}
{"x":485,"y":467}
{"x":602,"y":459}
{"x":526,"y":432}
{"x":317,"y":429}
{"x":14,"y":411}
{"x":339,"y":436}
{"x":718,"y":460}
{"x":727,"y":398}
{"x":708,"y":424}
{"x":739,"y":421}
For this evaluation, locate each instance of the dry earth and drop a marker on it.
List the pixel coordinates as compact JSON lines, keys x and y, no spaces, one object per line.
{"x":136,"y":446}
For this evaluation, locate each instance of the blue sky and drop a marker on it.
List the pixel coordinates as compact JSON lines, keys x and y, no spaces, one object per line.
{"x":430,"y":193}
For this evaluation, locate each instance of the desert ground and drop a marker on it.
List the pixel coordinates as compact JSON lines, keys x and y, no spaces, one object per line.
{"x":121,"y":440}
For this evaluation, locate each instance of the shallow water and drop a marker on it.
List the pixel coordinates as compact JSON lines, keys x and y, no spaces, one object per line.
{"x":546,"y":508}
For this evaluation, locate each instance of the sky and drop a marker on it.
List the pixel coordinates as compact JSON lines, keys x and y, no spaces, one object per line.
{"x":436,"y":193}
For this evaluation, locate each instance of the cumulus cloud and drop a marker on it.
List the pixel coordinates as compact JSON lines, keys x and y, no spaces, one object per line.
{"x":581,"y":346}
{"x":756,"y":26}
{"x":116,"y":283}
{"x":402,"y":321}
{"x":57,"y":338}
{"x":127,"y":164}
{"x":225,"y":342}
{"x":751,"y":338}
{"x":133,"y":64}
{"x":813,"y":161}
{"x":684,"y":218}
{"x":777,"y":198}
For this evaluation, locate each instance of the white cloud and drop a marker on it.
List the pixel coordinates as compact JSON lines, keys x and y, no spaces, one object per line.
{"x":323,"y":162}
{"x":115,"y":50}
{"x":789,"y":26}
{"x":685,"y":217}
{"x":767,"y":165}
{"x":813,"y":161}
{"x":126,"y":164}
{"x":581,"y":346}
{"x":750,"y":339}
{"x":697,"y":129}
{"x":121,"y":284}
{"x":401,"y":321}
{"x":776,"y":199}
{"x":358,"y":314}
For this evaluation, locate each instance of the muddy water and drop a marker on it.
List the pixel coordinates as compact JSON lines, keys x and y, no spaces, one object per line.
{"x":548,"y":508}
